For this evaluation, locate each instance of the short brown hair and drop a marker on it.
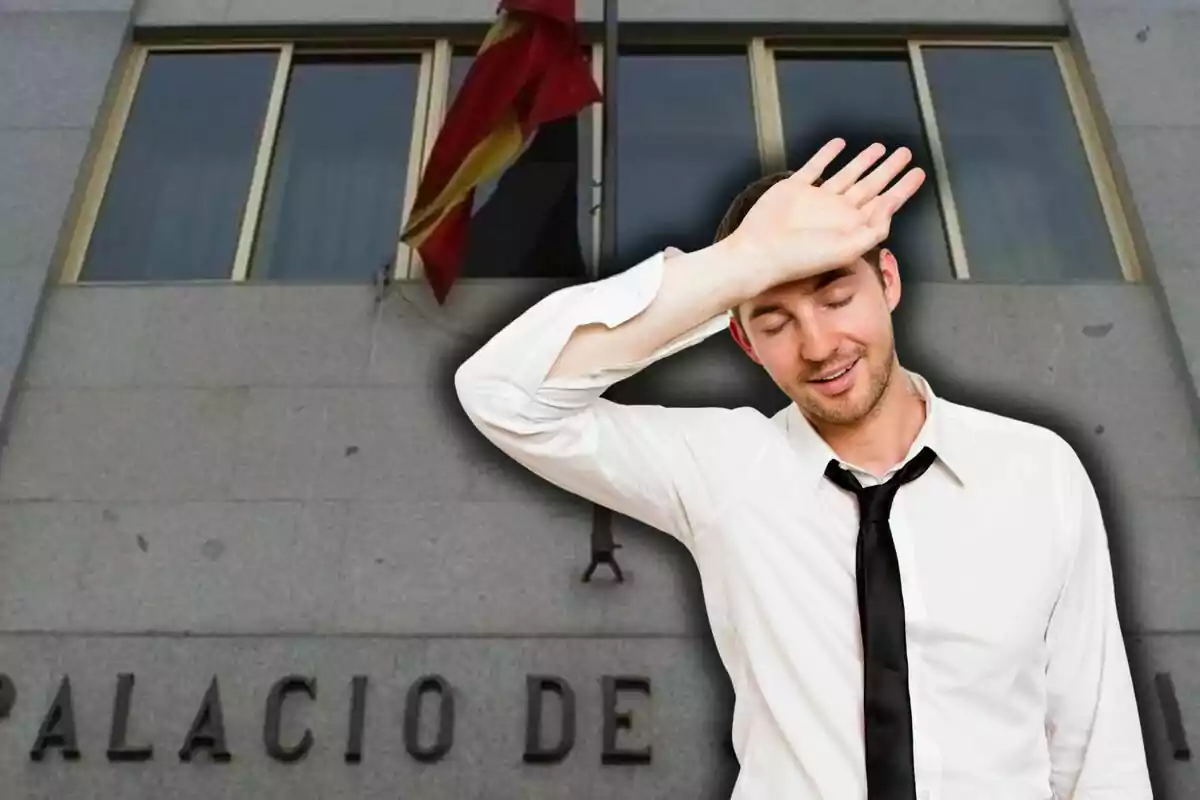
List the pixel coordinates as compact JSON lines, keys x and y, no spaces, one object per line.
{"x":746,"y":199}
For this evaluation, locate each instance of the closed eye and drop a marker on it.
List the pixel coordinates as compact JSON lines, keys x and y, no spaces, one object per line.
{"x":777,"y":327}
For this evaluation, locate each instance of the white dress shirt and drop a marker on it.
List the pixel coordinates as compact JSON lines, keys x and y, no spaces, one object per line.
{"x":1019,"y":681}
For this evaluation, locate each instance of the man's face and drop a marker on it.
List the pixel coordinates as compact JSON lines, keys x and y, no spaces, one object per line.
{"x":815,"y":329}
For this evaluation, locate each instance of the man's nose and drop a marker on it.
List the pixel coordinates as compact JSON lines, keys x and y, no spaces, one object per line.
{"x":818,"y":342}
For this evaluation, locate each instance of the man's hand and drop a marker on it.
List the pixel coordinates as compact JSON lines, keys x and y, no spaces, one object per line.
{"x":797,"y":230}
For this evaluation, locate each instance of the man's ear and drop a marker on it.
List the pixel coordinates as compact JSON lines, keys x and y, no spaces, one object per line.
{"x":890,"y":274}
{"x":739,"y":336}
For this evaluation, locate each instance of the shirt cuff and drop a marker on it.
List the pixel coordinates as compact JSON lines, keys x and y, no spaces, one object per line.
{"x":520,"y":356}
{"x":618,"y":299}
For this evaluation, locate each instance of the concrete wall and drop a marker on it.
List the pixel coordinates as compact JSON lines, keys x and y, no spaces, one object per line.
{"x":273,"y":12}
{"x":1144,"y":74}
{"x":251,"y":481}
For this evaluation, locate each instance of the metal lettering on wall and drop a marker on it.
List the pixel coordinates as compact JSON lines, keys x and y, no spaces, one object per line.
{"x":429,"y":694}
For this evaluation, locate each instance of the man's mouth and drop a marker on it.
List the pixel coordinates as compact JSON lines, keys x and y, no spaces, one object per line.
{"x":836,"y":382}
{"x":832,"y":376}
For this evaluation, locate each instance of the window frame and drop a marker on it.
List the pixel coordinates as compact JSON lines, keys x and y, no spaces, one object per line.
{"x":113,"y":133}
{"x":1085,"y":125}
{"x":432,"y":101}
{"x":1101,"y":170}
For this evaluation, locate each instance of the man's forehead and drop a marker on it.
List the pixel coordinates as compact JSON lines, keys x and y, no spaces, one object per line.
{"x":770,"y":300}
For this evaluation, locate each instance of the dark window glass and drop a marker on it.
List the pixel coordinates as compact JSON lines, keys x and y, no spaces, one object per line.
{"x":1026,"y":198}
{"x":534,"y":219}
{"x":865,"y":100}
{"x":173,"y":206}
{"x":335,"y":194}
{"x":686,"y":145}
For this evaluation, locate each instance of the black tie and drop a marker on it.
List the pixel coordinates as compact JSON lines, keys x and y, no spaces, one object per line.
{"x":888,"y":735}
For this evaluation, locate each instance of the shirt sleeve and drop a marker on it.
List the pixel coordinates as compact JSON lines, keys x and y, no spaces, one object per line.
{"x":1092,"y":723}
{"x":638,"y":460}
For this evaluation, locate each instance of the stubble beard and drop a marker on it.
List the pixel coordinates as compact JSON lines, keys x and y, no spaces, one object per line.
{"x":849,"y":409}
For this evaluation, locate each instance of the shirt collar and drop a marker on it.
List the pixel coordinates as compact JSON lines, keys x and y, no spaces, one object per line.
{"x":939,"y":432}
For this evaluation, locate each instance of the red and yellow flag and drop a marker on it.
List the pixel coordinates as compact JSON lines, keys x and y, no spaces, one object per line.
{"x":529,"y":70}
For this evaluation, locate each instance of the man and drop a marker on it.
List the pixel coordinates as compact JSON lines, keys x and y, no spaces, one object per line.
{"x":947,"y":633}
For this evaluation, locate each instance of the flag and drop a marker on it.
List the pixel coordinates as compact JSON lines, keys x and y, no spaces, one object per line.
{"x":531,"y":224}
{"x":529,"y":70}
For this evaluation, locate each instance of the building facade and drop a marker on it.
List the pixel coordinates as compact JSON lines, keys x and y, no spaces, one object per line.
{"x":249,"y":546}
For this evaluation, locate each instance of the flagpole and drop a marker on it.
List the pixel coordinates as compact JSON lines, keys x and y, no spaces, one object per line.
{"x":608,"y":206}
{"x":602,"y":539}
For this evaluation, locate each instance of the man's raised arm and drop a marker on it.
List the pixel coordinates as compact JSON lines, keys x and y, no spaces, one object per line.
{"x":535,"y":388}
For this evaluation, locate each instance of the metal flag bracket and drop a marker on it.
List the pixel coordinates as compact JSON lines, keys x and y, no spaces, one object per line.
{"x":603,"y":546}
{"x":1176,"y":736}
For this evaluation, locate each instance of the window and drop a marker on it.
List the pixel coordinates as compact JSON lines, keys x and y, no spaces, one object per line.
{"x":173,"y":207}
{"x":268,"y":164}
{"x":335,"y":194}
{"x":686,"y":144}
{"x":866,"y":99}
{"x":1026,"y":198}
{"x":289,"y":162}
